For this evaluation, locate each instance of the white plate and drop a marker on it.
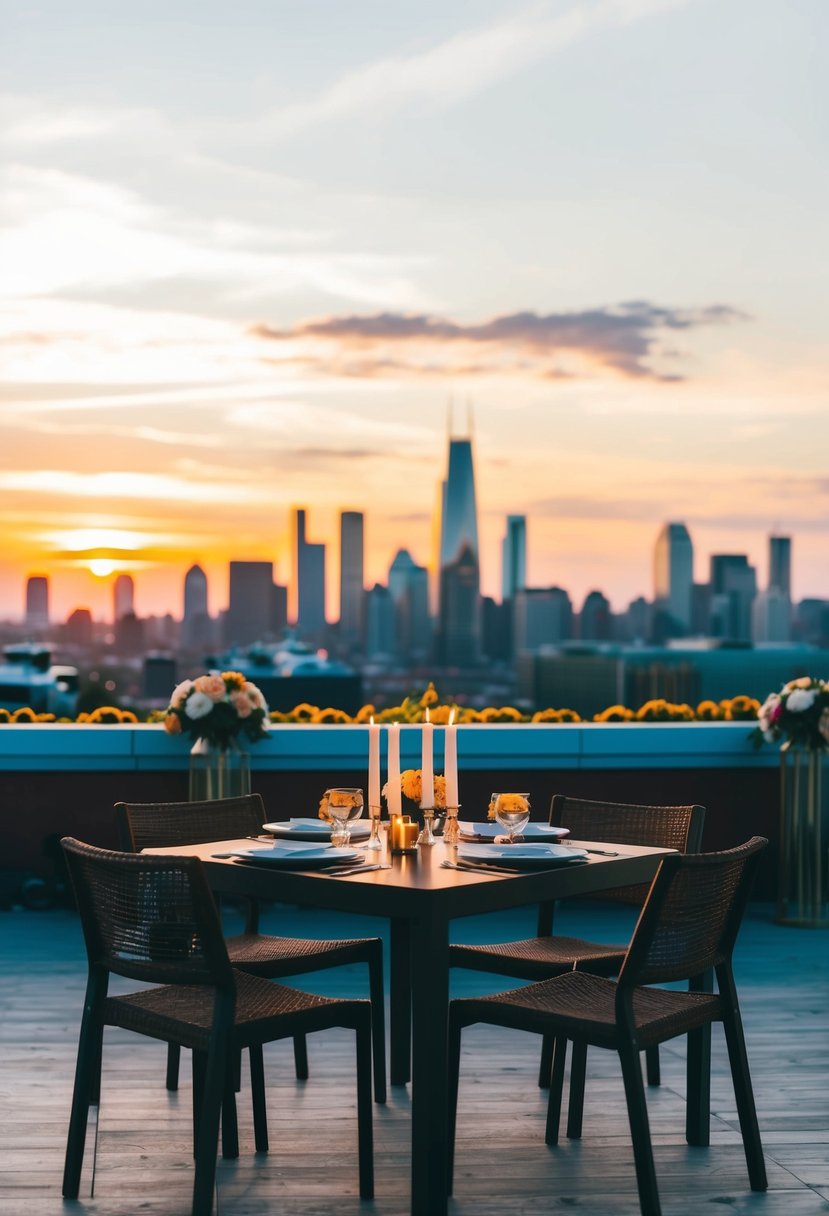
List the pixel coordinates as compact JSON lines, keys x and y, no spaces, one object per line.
{"x":521,"y":855}
{"x":296,"y":858}
{"x":313,"y":829}
{"x":533,"y":831}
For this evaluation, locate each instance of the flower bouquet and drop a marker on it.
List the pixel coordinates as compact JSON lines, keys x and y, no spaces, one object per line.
{"x":797,"y":715}
{"x":411,"y":788}
{"x":218,"y":708}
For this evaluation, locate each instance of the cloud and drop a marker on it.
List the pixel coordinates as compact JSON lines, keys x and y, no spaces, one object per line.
{"x":458,"y":67}
{"x":622,"y":339}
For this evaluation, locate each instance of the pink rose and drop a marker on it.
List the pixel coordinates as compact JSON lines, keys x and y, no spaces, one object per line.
{"x":241,"y":703}
{"x":211,"y":686}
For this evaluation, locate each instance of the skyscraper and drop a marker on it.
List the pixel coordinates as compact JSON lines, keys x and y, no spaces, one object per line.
{"x":123,"y":597}
{"x":195,"y":624}
{"x":37,"y":602}
{"x":673,"y":575}
{"x":780,"y":564}
{"x":409,"y":588}
{"x":351,"y":578}
{"x":459,"y":607}
{"x":514,"y":556}
{"x":310,"y":582}
{"x":380,"y":639}
{"x":249,"y":616}
{"x":733,"y":588}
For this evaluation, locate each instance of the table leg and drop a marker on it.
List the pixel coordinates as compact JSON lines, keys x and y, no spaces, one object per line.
{"x":400,"y":1002}
{"x":430,"y":1002}
{"x":698,"y":1073}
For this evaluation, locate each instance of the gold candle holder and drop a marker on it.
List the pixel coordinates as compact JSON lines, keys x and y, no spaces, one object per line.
{"x":402,"y":834}
{"x":451,"y":827}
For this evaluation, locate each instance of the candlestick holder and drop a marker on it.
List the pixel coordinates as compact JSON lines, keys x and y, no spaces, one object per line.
{"x":427,"y":835}
{"x":451,"y":827}
{"x":374,"y":843}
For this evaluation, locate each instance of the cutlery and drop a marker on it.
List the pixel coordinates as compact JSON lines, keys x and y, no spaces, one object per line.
{"x":341,"y":871}
{"x":601,"y":852}
{"x":481,"y":867}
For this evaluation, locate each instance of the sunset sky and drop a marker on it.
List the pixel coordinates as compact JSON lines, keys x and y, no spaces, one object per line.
{"x":250,"y":252}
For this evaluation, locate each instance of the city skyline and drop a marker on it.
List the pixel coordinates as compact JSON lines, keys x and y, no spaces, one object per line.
{"x":248,"y":264}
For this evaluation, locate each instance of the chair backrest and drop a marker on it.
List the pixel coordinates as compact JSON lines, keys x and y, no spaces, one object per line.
{"x":159,"y":825}
{"x":148,"y":918}
{"x":662,"y":827}
{"x":690,"y":919}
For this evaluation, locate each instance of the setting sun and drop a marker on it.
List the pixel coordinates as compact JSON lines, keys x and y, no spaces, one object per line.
{"x":102,"y":566}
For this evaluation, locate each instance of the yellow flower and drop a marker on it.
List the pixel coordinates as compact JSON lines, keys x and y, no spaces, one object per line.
{"x":545,"y":715}
{"x":323,"y":811}
{"x":5,"y":716}
{"x":615,"y":713}
{"x":430,"y":696}
{"x":304,"y":712}
{"x":24,"y":714}
{"x":439,"y":715}
{"x":514,"y":802}
{"x":742,"y":709}
{"x":233,"y":679}
{"x":364,"y":714}
{"x":343,"y":798}
{"x":709,"y":711}
{"x":506,"y":713}
{"x":411,"y":784}
{"x":329,"y":715}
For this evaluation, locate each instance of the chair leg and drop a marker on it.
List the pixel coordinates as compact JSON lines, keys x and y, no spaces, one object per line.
{"x":652,"y":1065}
{"x":173,"y":1062}
{"x":741,"y":1079}
{"x":453,"y":1073}
{"x":365,"y":1115}
{"x":87,"y":1084}
{"x":556,"y":1087}
{"x":575,"y":1107}
{"x":545,"y":1066}
{"x":214,"y":1079}
{"x":301,"y":1057}
{"x":639,"y":1129}
{"x":199,"y":1065}
{"x":257,"y":1088}
{"x":378,"y":1022}
{"x":230,"y":1123}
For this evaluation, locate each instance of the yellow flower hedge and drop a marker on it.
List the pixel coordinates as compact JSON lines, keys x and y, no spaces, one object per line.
{"x":413,"y":710}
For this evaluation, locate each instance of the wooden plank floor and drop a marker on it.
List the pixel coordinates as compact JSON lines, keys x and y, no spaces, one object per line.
{"x":144,"y":1160}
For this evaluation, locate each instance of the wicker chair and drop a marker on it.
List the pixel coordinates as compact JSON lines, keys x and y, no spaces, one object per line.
{"x":169,"y":824}
{"x":545,"y":956}
{"x":688,"y":925}
{"x":153,"y":919}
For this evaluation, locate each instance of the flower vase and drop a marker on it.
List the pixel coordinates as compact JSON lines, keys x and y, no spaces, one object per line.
{"x":218,"y":772}
{"x":803,"y":885}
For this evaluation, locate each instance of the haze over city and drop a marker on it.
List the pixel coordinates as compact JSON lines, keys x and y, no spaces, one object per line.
{"x":249,"y":263}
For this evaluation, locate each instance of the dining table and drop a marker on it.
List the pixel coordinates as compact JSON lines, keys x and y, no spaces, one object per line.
{"x":420,"y":898}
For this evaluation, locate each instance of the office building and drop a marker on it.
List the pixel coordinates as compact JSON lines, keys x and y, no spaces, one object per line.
{"x":595,"y":624}
{"x":309,"y":567}
{"x":351,"y":578}
{"x":771,"y":616}
{"x":196,"y":625}
{"x":37,"y":602}
{"x":780,"y":564}
{"x":409,"y":589}
{"x":673,"y":577}
{"x":123,"y":597}
{"x":514,"y":556}
{"x":380,"y":629}
{"x":458,"y":635}
{"x":541,"y":616}
{"x":250,"y":604}
{"x":733,"y":588}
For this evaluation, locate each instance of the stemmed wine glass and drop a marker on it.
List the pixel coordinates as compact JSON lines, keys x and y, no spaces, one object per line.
{"x":512,"y":811}
{"x":345,"y":804}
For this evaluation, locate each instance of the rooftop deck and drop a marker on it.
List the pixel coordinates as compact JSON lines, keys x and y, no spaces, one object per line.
{"x":144,"y":1152}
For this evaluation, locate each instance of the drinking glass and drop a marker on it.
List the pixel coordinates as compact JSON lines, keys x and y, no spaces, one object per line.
{"x":345,"y":804}
{"x":512,"y":811}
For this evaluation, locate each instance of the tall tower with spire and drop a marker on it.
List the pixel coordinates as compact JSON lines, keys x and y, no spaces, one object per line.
{"x":458,"y":634}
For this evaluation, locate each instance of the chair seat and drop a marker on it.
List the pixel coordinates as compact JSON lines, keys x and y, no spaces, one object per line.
{"x":264,"y":955}
{"x":539,"y":957}
{"x":183,"y":1014}
{"x":582,"y":1007}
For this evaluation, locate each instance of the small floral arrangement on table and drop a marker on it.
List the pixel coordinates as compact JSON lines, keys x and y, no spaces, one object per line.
{"x":509,"y":802}
{"x":219,"y":708}
{"x":411,"y":787}
{"x":798,"y":714}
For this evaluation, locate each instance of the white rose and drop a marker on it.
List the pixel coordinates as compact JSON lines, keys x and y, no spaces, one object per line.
{"x":800,"y":700}
{"x":198,"y":706}
{"x":180,"y":692}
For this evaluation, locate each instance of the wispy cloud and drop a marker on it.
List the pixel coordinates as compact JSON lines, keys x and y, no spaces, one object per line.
{"x":622,"y":339}
{"x":459,"y":66}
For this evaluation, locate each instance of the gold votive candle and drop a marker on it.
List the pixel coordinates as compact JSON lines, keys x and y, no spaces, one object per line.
{"x":400,"y":834}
